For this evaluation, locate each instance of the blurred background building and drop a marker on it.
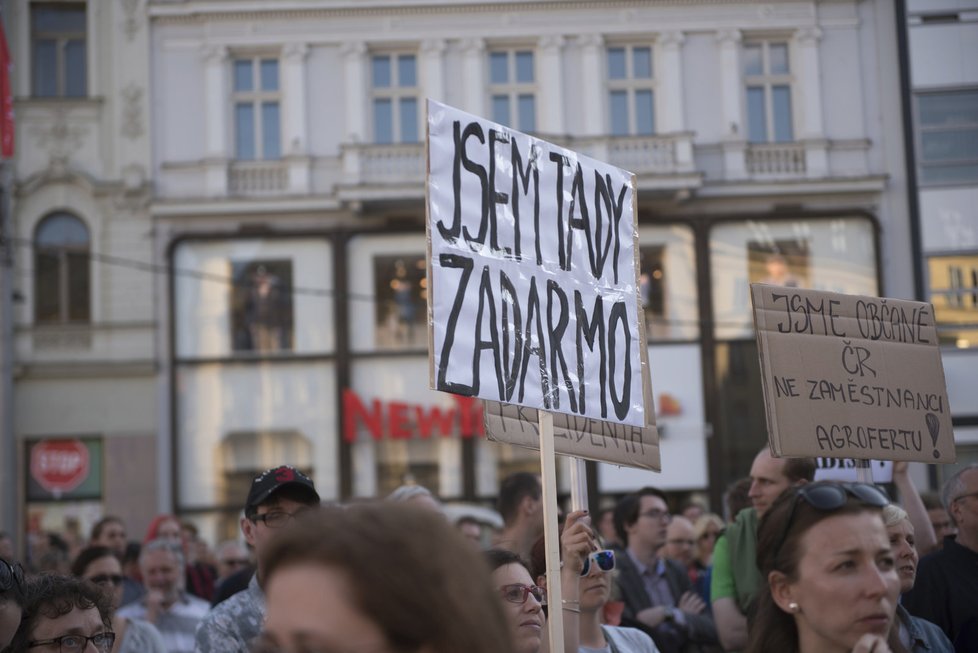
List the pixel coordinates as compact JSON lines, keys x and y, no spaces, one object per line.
{"x":216,"y":220}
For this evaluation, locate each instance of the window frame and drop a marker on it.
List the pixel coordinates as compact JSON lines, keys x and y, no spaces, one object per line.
{"x":395,"y":93}
{"x":64,"y":286}
{"x":630,"y":85}
{"x":513,"y":89}
{"x":61,"y":39}
{"x":257,"y":98}
{"x":768,"y":80}
{"x":966,"y":295}
{"x":920,"y":130}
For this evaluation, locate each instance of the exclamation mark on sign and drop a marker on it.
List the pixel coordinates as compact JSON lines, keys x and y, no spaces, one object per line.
{"x":934,"y":426}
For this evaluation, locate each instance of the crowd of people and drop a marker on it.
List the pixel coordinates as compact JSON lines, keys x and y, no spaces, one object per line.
{"x":794,"y":565}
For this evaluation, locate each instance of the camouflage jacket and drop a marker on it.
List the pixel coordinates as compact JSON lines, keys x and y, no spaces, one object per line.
{"x":232,"y":625}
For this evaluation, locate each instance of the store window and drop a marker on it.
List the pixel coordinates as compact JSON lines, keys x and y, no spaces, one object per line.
{"x":394,"y":80}
{"x":767,"y":81}
{"x":62,"y":271}
{"x":631,"y":90}
{"x":954,"y":293}
{"x":836,"y":254}
{"x":257,"y":101}
{"x":262,"y":318}
{"x":58,"y":52}
{"x":400,"y":290}
{"x":947,"y":132}
{"x":667,"y":283}
{"x":512,"y":89}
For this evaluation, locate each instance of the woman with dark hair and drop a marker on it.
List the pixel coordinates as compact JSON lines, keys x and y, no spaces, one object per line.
{"x":11,"y":600}
{"x":832,"y":584}
{"x":378,"y":576}
{"x":63,"y":614}
{"x":523,"y":601}
{"x":100,"y":566}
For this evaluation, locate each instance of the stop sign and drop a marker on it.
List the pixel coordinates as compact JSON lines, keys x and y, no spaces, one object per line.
{"x":59,"y":465}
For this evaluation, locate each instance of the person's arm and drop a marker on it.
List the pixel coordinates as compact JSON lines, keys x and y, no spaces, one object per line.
{"x":731,"y":624}
{"x":576,"y":542}
{"x":923,"y":530}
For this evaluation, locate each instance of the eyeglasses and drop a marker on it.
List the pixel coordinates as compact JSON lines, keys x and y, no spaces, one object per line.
{"x":106,"y":579}
{"x":965,"y":496}
{"x":278,"y":518}
{"x":830,"y":495}
{"x":11,"y":576}
{"x":517,"y":593}
{"x":605,"y":561}
{"x":657,"y":515}
{"x":77,"y":643}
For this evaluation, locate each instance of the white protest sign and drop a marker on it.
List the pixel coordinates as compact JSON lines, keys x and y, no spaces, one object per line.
{"x":848,"y":376}
{"x":581,"y":437}
{"x":532,"y":273}
{"x":844,"y":469}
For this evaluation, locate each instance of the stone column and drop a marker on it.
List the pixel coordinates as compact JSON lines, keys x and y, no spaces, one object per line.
{"x":216,"y":95}
{"x":734,"y":136}
{"x":474,"y":76}
{"x":551,"y":85}
{"x":433,"y":69}
{"x":596,"y":95}
{"x":355,"y":71}
{"x":295,"y":126}
{"x":808,"y":94}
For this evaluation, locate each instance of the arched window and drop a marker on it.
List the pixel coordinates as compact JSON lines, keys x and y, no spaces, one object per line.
{"x":62,"y":277}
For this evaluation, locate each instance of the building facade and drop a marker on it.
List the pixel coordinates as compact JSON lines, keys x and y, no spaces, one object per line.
{"x":282,"y":157}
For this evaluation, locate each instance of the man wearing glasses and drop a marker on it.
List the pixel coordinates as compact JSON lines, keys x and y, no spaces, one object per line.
{"x":276,"y":497}
{"x":946,"y":589}
{"x":657,"y":593}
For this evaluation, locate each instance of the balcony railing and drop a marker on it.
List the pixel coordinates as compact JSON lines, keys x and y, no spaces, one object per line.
{"x":258,"y":177}
{"x":776,"y":159}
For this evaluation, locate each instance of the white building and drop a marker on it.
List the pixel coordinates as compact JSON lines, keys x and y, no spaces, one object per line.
{"x":284,"y":144}
{"x":943,"y":48}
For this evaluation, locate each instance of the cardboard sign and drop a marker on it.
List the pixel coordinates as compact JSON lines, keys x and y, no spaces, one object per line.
{"x":847,"y":376}
{"x":533,"y":293}
{"x":844,"y":469}
{"x":582,"y":437}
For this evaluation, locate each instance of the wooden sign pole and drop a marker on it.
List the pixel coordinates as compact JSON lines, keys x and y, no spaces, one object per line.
{"x":555,"y":617}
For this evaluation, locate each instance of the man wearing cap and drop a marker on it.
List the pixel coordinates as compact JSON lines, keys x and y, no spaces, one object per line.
{"x":276,"y":496}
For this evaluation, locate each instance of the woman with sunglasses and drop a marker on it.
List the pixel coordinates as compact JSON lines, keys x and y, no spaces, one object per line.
{"x":832,"y":584}
{"x":378,"y":577}
{"x":63,"y":615}
{"x":909,"y":633}
{"x":100,"y":566}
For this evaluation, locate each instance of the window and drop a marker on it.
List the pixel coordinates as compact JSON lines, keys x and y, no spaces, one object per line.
{"x":261,"y":306}
{"x":400,"y":286}
{"x":947,"y":132}
{"x":61,"y":269}
{"x":767,"y":77}
{"x":58,"y":52}
{"x":394,"y":79}
{"x":511,"y":89}
{"x":667,"y":282}
{"x":630,"y":90}
{"x":954,"y":293}
{"x":257,"y":123}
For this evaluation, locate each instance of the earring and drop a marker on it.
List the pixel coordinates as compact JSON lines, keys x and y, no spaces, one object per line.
{"x":793,"y":607}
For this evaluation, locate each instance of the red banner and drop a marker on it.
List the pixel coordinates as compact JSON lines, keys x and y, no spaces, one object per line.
{"x":6,"y":99}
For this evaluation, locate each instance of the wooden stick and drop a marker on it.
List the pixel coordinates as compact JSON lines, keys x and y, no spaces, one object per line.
{"x":555,"y":618}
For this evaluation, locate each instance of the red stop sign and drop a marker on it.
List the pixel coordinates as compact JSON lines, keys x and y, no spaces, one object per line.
{"x":59,"y":465}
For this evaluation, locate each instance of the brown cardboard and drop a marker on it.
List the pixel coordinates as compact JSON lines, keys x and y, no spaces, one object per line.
{"x":848,"y":376}
{"x":611,"y":442}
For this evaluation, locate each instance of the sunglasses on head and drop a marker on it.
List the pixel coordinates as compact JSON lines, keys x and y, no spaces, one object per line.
{"x":11,"y":576}
{"x":827,"y":496}
{"x":604,"y":560}
{"x":518,"y":593}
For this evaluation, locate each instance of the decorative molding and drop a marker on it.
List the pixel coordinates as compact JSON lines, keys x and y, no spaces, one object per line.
{"x":552,"y":42}
{"x":473,"y":46}
{"x":132,"y":111}
{"x":353,"y":49}
{"x":295,"y":52}
{"x":214,"y":54}
{"x":433,"y":46}
{"x":808,"y":35}
{"x":131,"y":15}
{"x":729,"y":37}
{"x":673,"y":39}
{"x":60,"y":138}
{"x":590,"y":41}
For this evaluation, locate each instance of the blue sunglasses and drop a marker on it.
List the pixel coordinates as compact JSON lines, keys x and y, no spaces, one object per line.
{"x":605,"y":561}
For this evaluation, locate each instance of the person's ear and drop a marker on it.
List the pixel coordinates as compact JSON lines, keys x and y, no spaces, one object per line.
{"x":782,"y":592}
{"x":248,"y":530}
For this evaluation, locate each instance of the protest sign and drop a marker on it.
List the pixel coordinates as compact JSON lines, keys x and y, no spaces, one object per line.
{"x":848,"y":376}
{"x":846,"y":469}
{"x":583,"y":437}
{"x":533,"y":294}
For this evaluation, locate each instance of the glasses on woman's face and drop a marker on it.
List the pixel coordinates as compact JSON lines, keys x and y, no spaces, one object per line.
{"x":77,"y":643}
{"x":517,"y":593}
{"x":603,"y":561}
{"x":11,"y":576}
{"x":830,"y":495}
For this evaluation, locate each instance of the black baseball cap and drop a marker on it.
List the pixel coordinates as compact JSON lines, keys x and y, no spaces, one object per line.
{"x":271,"y":481}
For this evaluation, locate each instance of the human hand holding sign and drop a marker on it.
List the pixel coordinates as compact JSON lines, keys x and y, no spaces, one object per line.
{"x":576,"y":542}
